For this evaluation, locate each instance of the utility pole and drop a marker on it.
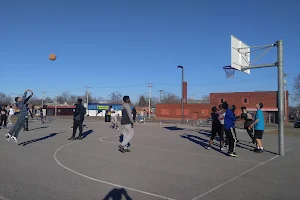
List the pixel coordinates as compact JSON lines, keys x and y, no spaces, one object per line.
{"x":150,"y":87}
{"x":55,"y":111}
{"x":43,"y":96}
{"x":286,"y":115}
{"x":87,"y":98}
{"x":160,"y":95}
{"x":182,"y":96}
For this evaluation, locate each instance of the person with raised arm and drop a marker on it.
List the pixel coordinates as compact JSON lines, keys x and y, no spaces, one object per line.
{"x":21,"y":105}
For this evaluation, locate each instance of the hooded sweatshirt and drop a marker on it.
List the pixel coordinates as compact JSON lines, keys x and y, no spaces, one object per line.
{"x":126,"y":115}
{"x":79,"y":113}
{"x":22,"y":105}
{"x":229,"y":119}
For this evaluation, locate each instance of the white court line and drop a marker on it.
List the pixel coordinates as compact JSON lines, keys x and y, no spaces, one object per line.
{"x":238,"y":176}
{"x":176,"y":151}
{"x":3,"y":198}
{"x":101,"y":181}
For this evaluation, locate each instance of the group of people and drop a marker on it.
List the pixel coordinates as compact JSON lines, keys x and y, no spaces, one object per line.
{"x":5,"y":117}
{"x":127,"y":122}
{"x":223,"y":123}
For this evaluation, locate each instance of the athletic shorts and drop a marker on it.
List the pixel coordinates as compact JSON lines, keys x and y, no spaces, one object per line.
{"x":216,"y":129}
{"x":258,"y":134}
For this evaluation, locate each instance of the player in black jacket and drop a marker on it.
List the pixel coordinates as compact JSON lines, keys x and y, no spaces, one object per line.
{"x":78,"y":120}
{"x":216,"y":128}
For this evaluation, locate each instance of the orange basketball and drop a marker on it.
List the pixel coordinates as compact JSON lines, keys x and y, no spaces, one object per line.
{"x":52,"y":57}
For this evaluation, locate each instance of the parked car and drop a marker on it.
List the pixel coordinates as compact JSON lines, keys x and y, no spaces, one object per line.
{"x":297,"y":124}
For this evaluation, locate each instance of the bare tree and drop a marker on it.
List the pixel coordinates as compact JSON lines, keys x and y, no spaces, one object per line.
{"x":35,"y":100}
{"x":170,"y":98}
{"x":63,"y":98}
{"x":297,"y":88}
{"x":4,"y":99}
{"x":115,"y":97}
{"x":48,"y":100}
{"x":142,"y":101}
{"x":99,"y":99}
{"x":205,"y":99}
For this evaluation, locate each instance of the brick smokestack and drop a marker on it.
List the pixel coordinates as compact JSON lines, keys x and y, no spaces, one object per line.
{"x":185,"y":92}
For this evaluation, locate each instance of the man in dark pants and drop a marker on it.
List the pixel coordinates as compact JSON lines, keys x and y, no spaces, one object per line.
{"x":133,"y":113}
{"x":21,"y":104}
{"x":25,"y":128}
{"x":78,"y":120}
{"x":229,"y":121}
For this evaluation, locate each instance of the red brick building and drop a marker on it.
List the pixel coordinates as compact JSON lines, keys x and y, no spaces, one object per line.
{"x":239,"y":99}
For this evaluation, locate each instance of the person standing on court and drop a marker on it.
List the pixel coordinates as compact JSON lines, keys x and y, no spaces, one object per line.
{"x":21,"y":104}
{"x":3,"y":117}
{"x":248,"y":120}
{"x":78,"y":120}
{"x":114,"y":117}
{"x":10,"y":114}
{"x":229,"y":121}
{"x":216,"y":128}
{"x":221,"y":113}
{"x":134,"y":114}
{"x":259,"y":127}
{"x":127,"y":125}
{"x":233,"y":107}
{"x":25,"y":128}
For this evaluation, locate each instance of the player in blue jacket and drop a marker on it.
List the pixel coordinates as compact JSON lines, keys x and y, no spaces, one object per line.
{"x":229,"y":122}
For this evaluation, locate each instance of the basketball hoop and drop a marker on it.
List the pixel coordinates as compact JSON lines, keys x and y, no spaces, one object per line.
{"x":229,"y":71}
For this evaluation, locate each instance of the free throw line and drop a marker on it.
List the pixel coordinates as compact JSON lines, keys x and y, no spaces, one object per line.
{"x":101,"y":181}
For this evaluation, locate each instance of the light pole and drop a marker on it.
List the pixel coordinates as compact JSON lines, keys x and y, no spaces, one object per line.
{"x":149,"y":86}
{"x":182,"y":104}
{"x":87,"y":99}
{"x":43,"y":93}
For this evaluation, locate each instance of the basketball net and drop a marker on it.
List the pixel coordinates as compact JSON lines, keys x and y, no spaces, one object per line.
{"x":229,"y":71}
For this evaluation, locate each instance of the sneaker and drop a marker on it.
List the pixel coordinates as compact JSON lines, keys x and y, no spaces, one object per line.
{"x":8,"y":136}
{"x":232,"y":154}
{"x":208,"y":147}
{"x":223,"y":149}
{"x":255,"y":150}
{"x":72,"y":138}
{"x":14,"y":139}
{"x":121,"y":148}
{"x":79,"y":138}
{"x":259,"y":151}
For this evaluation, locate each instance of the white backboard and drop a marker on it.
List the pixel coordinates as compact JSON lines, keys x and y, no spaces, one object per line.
{"x":240,"y":54}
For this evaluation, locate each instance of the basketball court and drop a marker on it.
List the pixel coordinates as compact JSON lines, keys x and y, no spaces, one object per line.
{"x":166,"y":162}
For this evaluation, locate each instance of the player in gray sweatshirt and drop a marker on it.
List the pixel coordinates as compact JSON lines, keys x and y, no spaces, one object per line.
{"x":127,"y":125}
{"x":21,"y":104}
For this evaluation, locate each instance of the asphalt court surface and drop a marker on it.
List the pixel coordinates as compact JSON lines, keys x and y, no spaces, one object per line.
{"x":165,"y":162}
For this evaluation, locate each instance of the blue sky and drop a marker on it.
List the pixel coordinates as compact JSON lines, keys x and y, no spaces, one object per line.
{"x":122,"y":45}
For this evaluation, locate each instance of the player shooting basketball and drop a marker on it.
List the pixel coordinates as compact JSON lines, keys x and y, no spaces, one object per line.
{"x":21,"y":104}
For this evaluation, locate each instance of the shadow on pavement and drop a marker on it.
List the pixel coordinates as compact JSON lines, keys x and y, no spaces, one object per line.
{"x":86,"y":133}
{"x":38,"y":128}
{"x":117,"y":194}
{"x":40,"y":139}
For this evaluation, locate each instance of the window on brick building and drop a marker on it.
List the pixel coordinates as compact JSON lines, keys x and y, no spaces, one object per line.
{"x":245,"y":100}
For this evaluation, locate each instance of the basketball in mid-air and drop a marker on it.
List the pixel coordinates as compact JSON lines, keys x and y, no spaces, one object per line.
{"x":52,"y":57}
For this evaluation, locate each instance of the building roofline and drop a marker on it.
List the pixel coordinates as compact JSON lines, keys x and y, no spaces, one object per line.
{"x":240,"y":92}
